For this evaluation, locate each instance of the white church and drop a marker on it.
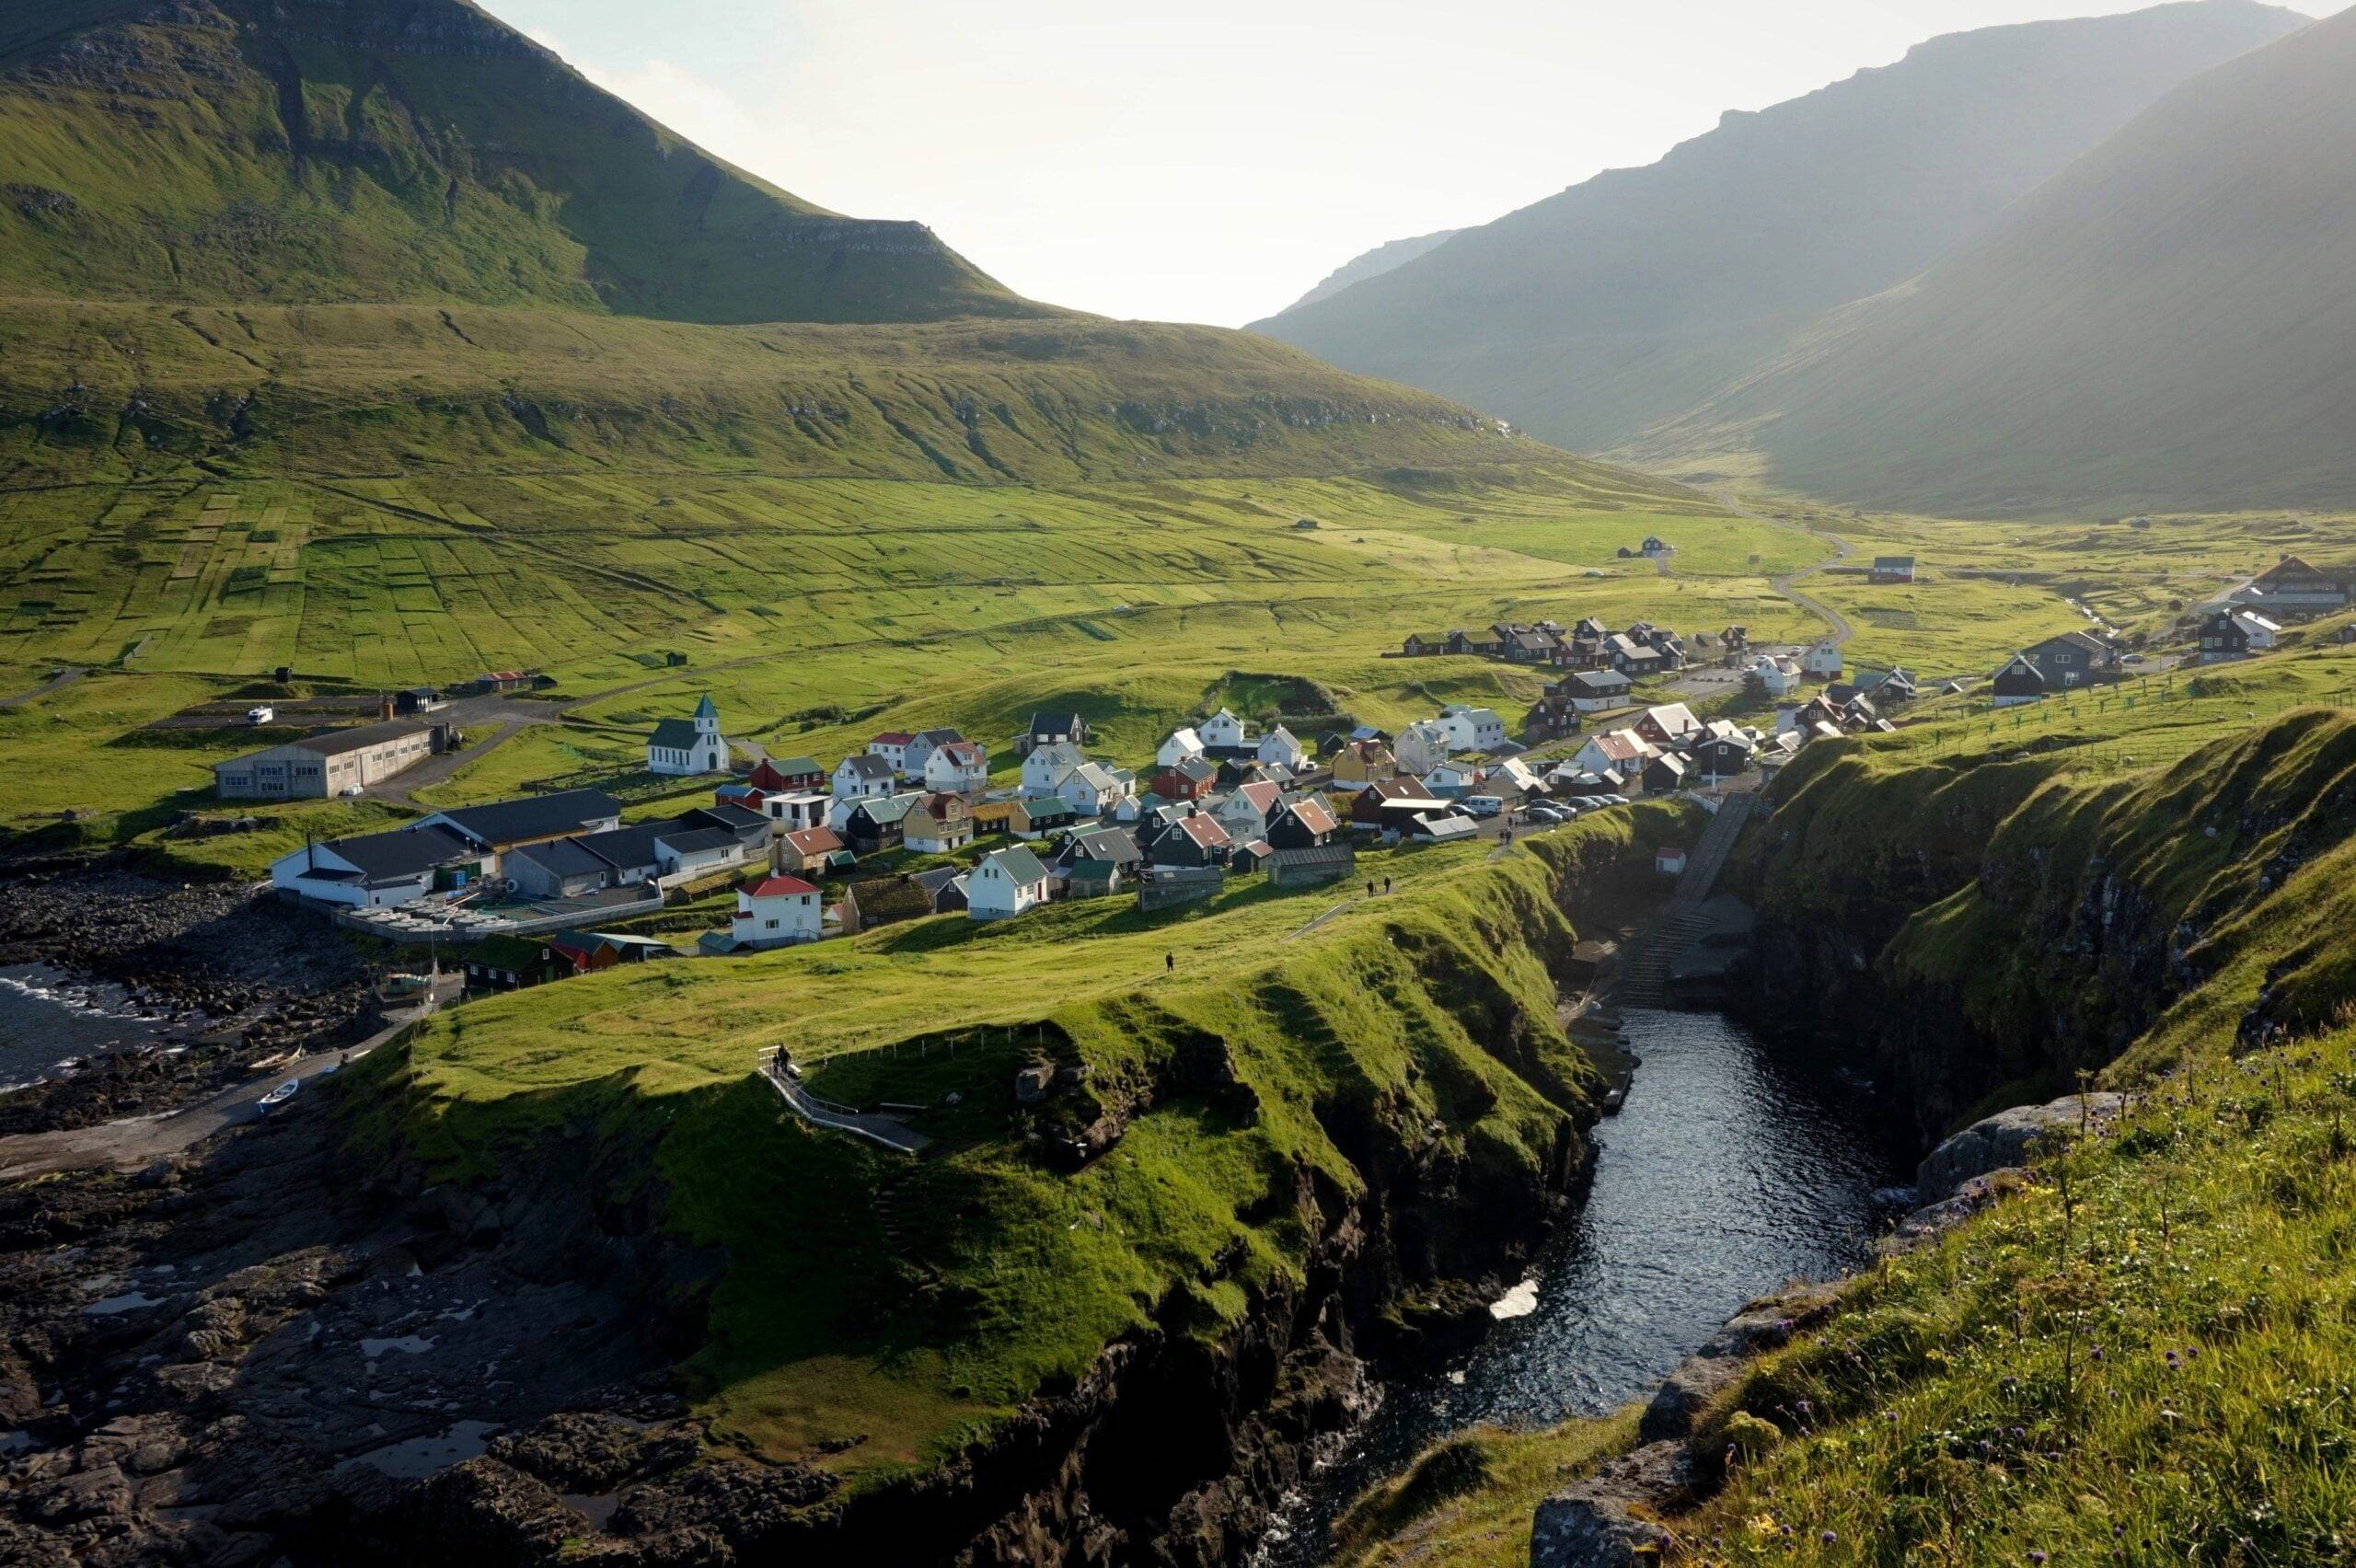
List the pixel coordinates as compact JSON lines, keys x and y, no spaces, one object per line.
{"x":688,"y":745}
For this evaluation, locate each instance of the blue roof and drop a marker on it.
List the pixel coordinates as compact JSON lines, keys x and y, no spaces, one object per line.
{"x":704,"y":710}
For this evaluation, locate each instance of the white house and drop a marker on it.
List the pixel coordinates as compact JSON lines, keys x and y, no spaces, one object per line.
{"x":861,"y":777}
{"x":778,"y":911}
{"x":1093,"y":788}
{"x":1823,"y":659}
{"x":892,"y":746}
{"x":2260,"y":631}
{"x":1593,"y":691}
{"x":1621,"y":751}
{"x":1777,"y":676}
{"x":957,"y":768}
{"x":1248,"y":810}
{"x":1450,"y":781}
{"x":1472,"y":728}
{"x":1005,"y":885}
{"x":1421,"y":747}
{"x":1183,"y":744}
{"x":1043,"y":769}
{"x":918,"y":756}
{"x":1282,"y":748}
{"x":1224,"y":729}
{"x":792,"y":814}
{"x":1515,"y":775}
{"x":688,"y":745}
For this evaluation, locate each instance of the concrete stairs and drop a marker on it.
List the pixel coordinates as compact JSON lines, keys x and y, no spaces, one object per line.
{"x":1644,"y":969}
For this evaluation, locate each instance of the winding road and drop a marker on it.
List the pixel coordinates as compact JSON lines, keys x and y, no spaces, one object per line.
{"x":1786,"y":583}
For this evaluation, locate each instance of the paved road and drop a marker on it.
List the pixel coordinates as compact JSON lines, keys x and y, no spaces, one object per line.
{"x":1784,"y":584}
{"x":129,"y":1145}
{"x":57,"y":682}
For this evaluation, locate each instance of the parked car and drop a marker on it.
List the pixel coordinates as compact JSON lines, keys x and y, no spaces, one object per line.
{"x":1484,"y":807}
{"x":262,"y":715}
{"x":1543,"y":811}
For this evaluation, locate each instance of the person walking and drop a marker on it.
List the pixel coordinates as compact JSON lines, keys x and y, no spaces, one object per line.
{"x":1386,"y":884}
{"x":1369,"y":890}
{"x":1169,"y":962}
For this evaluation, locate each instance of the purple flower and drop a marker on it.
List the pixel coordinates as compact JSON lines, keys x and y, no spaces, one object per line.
{"x":2036,"y":1557}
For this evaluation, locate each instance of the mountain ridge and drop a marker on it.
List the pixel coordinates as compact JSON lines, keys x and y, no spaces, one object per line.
{"x":1630,"y":297}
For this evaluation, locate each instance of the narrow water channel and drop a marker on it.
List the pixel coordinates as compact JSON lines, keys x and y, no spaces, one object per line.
{"x":1734,"y":1170}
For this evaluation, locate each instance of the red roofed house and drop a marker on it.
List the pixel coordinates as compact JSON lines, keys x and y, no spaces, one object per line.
{"x":777,"y":911}
{"x":892,"y":746}
{"x":1304,"y":825}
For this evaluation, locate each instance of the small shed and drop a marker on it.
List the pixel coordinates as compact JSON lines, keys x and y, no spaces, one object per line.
{"x":1312,"y":867}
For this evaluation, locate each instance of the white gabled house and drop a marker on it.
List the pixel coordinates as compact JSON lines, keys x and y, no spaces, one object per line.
{"x":1421,"y":747}
{"x":1044,"y":769}
{"x":863,"y":776}
{"x":957,"y":768}
{"x":1224,"y":729}
{"x":1823,"y":659}
{"x":1006,"y":884}
{"x":682,"y":747}
{"x":917,"y":759}
{"x":1183,"y":744}
{"x":776,"y":911}
{"x":1093,"y":788}
{"x":1450,"y":781}
{"x":1282,"y":747}
{"x":1472,"y":728}
{"x":1623,"y":752}
{"x":892,"y":746}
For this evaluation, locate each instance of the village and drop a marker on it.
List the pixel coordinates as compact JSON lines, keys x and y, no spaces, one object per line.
{"x":924,"y":823}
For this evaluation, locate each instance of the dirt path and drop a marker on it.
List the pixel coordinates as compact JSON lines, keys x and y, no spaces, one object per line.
{"x":57,"y":682}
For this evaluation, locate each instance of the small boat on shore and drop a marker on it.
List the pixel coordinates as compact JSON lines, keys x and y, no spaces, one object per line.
{"x":280,"y":1095}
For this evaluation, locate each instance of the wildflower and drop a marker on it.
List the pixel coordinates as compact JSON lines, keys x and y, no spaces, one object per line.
{"x":1829,"y":1537}
{"x":2036,"y":1557}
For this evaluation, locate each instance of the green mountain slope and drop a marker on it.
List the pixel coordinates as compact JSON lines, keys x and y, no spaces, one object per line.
{"x":1627,"y":299}
{"x":2169,"y":325}
{"x":282,"y":151}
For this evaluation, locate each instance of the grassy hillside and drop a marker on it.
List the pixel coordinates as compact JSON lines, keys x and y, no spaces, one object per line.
{"x":1628,"y":298}
{"x":2166,"y":326}
{"x":230,"y":151}
{"x":1432,"y":1006}
{"x":2131,"y":1355}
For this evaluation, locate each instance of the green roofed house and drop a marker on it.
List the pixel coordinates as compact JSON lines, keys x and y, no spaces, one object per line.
{"x":1006,"y":884}
{"x":511,"y":964}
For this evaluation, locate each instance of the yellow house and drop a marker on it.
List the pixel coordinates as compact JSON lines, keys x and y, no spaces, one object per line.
{"x":1363,"y":763}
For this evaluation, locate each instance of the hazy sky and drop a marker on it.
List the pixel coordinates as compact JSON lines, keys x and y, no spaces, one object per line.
{"x":1209,"y":161}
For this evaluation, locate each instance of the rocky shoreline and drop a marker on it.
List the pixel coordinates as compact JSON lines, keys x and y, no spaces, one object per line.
{"x":221,"y":978}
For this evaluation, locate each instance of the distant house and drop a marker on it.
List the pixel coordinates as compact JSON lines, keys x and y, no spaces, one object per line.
{"x":863,"y":776}
{"x":1892,"y":569}
{"x":1006,"y":884}
{"x":1183,"y":744}
{"x":892,"y":746}
{"x":1051,"y":727}
{"x":791,"y":813}
{"x":1421,"y":747}
{"x":1188,"y":779}
{"x":943,"y":887}
{"x":878,"y":823}
{"x":788,"y":775}
{"x":810,"y":850}
{"x":956,"y":768}
{"x":778,"y":911}
{"x":923,"y":743}
{"x":1597,"y":691}
{"x":510,"y":964}
{"x":1472,"y":728}
{"x":1423,"y":645}
{"x":2293,"y":587}
{"x":1664,"y":774}
{"x":1670,"y":724}
{"x":1655,"y":547}
{"x":1822,"y":659}
{"x":2018,"y":682}
{"x":2073,"y":659}
{"x":1305,"y":823}
{"x":1037,"y":819}
{"x":1621,"y":751}
{"x":1107,"y":845}
{"x":883,"y":901}
{"x":938,"y":824}
{"x":1196,"y":840}
{"x":688,"y":746}
{"x":1281,"y":747}
{"x":1249,"y":809}
{"x":1363,"y":762}
{"x":1224,"y":731}
{"x":1723,"y":751}
{"x":2236,"y":634}
{"x":1093,"y":790}
{"x":1634,"y":658}
{"x":1777,"y":676}
{"x":1044,"y":769}
{"x":1450,"y":781}
{"x":1464,"y":643}
{"x":1433,"y":827}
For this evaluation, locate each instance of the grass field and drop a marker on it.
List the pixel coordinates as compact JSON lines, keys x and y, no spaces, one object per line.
{"x":1367,"y":1015}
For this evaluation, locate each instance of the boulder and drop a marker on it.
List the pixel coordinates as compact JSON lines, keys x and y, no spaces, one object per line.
{"x":1689,"y":1390}
{"x":1994,"y":1143}
{"x":1595,"y":1522}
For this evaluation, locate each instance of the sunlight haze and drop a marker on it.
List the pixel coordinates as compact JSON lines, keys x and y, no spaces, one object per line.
{"x":1212,"y":163}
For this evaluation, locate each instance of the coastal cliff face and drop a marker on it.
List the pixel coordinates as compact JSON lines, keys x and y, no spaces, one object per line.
{"x":564,"y":1279}
{"x":1991,"y":929}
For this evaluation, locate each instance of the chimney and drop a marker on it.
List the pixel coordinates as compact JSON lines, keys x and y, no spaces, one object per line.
{"x":384,"y":708}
